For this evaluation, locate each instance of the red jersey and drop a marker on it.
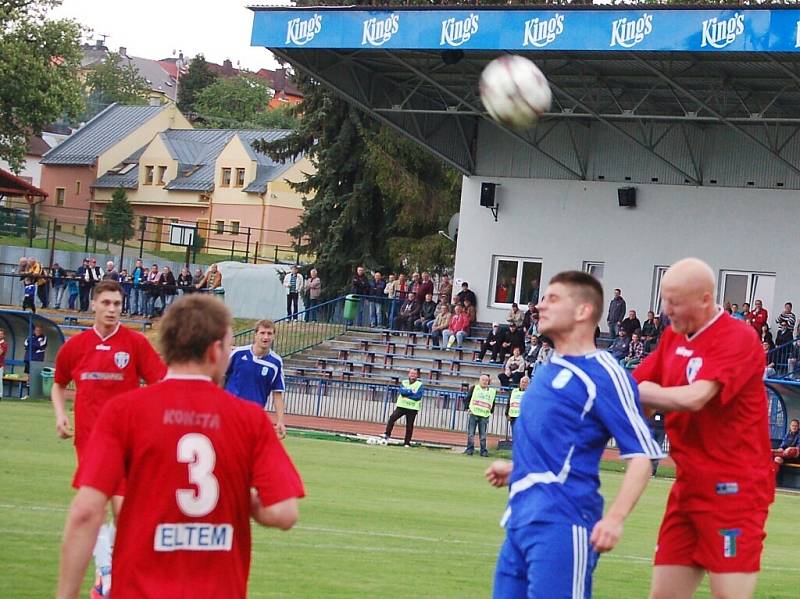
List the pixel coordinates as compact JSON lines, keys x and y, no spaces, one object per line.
{"x":189,"y":453}
{"x":722,"y":452}
{"x":103,"y":368}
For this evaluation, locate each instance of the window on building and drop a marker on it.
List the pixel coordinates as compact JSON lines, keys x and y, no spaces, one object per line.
{"x":162,"y":173}
{"x":226,"y":177}
{"x":655,"y":294}
{"x":596,"y":269}
{"x":239,"y":177}
{"x":219,"y":226}
{"x":515,"y":280}
{"x":60,"y":191}
{"x":738,"y":287}
{"x":148,"y":175}
{"x":234,"y":230}
{"x":77,"y":188}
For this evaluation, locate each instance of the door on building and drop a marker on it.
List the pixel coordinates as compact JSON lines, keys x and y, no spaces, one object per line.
{"x":202,"y":231}
{"x":159,"y":232}
{"x":738,"y":287}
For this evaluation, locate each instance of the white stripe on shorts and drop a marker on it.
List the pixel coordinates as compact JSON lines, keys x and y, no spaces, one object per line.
{"x":579,"y":561}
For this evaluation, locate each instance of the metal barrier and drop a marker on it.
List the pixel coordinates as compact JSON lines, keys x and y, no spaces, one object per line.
{"x":785,"y":359}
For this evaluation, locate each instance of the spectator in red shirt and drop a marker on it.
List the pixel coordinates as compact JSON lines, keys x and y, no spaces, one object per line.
{"x":458,"y":328}
{"x":758,"y":317}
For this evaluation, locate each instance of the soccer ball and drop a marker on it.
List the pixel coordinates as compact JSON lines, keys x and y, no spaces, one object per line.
{"x":382,"y":441}
{"x":514,"y":91}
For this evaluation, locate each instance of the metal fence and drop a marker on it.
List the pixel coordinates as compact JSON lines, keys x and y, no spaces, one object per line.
{"x":784,"y":359}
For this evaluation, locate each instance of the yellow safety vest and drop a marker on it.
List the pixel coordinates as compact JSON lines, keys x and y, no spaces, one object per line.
{"x":481,"y":402}
{"x":406,"y":402}
{"x":514,"y":402}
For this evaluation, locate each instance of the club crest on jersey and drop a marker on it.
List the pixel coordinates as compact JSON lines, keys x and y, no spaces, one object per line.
{"x":458,"y":31}
{"x":729,"y":541}
{"x":264,"y":370}
{"x":719,"y":34}
{"x":121,"y":359}
{"x":301,"y":31}
{"x":561,"y":379}
{"x":627,"y":33}
{"x":379,"y":31}
{"x":693,"y":367}
{"x":540,"y":32}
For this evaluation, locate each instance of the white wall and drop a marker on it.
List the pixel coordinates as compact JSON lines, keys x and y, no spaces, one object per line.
{"x":31,"y":169}
{"x":568,"y":222}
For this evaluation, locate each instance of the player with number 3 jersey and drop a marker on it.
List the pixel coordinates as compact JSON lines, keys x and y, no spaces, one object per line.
{"x":198,"y":463}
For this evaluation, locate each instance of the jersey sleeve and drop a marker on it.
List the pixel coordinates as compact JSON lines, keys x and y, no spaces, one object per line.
{"x":102,"y":465}
{"x":280,"y":383}
{"x":63,"y":374}
{"x":733,"y":365}
{"x":618,"y":408}
{"x":274,"y":476}
{"x":149,"y":364}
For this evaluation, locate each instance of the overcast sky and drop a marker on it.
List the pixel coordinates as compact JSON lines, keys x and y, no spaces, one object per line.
{"x":219,"y":29}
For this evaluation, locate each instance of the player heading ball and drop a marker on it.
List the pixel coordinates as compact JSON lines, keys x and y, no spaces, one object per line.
{"x":198,"y":462}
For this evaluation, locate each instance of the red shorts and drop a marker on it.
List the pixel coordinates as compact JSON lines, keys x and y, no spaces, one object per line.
{"x":719,"y":542}
{"x":120,"y":490}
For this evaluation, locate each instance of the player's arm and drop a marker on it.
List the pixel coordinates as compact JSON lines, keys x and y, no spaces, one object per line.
{"x":281,"y":515}
{"x":685,"y":398}
{"x":280,"y":408}
{"x":63,"y":427}
{"x":608,"y":531}
{"x":497,"y":474}
{"x":86,"y":514}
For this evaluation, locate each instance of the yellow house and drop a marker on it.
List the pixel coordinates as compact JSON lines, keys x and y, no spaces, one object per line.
{"x":213,"y":179}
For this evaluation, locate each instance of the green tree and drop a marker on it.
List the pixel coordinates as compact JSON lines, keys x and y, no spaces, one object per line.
{"x":115,"y":80}
{"x":119,"y":217}
{"x":197,"y":78}
{"x":233,"y":102}
{"x":39,"y":64}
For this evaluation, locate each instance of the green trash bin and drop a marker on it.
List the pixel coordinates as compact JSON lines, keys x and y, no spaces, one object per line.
{"x":48,"y":376}
{"x":351,"y":303}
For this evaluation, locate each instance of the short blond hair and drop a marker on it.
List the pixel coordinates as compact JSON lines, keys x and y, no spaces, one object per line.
{"x":264,"y":323}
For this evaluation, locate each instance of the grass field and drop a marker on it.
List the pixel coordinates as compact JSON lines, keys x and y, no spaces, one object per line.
{"x":378,"y":521}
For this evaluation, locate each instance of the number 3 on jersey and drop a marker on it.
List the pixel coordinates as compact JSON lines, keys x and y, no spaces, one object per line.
{"x":197,"y":451}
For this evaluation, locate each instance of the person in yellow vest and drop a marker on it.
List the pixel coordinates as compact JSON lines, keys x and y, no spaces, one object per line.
{"x":408,"y":404}
{"x":480,"y":404}
{"x":515,"y":400}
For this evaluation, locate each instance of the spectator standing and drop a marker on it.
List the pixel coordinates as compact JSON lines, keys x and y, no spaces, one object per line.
{"x":360,"y":286}
{"x":313,"y":287}
{"x":515,"y":315}
{"x":457,"y":330}
{"x":440,"y":324}
{"x":409,"y":401}
{"x":631,"y":324}
{"x":39,"y":277}
{"x":94,"y":274}
{"x":513,"y":369}
{"x":83,"y":284}
{"x":185,"y":281}
{"x":212,"y":280}
{"x":766,"y":335}
{"x":152,"y":290}
{"x":533,"y":291}
{"x":530,"y":318}
{"x":169,"y":287}
{"x":425,"y":285}
{"x":787,"y":316}
{"x":466,"y":293}
{"x":784,"y":334}
{"x":293,"y":282}
{"x":427,"y":313}
{"x":111,"y":273}
{"x":138,"y":277}
{"x":491,"y":344}
{"x":377,"y":287}
{"x":59,"y":284}
{"x":515,"y":400}
{"x":197,"y":278}
{"x":736,"y":312}
{"x":3,"y":355}
{"x":414,"y":285}
{"x":446,"y":289}
{"x":480,"y":404}
{"x":470,"y":311}
{"x":759,"y":316}
{"x":616,"y":312}
{"x":126,"y":284}
{"x":35,"y":347}
{"x":73,"y":292}
{"x":29,"y":295}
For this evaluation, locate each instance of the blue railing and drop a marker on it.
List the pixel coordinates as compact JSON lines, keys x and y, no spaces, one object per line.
{"x":785,"y":359}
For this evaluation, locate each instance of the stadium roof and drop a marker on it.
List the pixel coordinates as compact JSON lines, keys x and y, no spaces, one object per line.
{"x":687,"y":70}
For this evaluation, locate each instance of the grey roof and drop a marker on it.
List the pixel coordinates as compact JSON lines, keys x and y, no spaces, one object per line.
{"x":107,"y":128}
{"x":111,"y":180}
{"x":156,"y":76}
{"x":267,"y":169}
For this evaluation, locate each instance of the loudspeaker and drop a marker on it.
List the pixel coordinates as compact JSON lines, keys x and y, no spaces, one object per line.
{"x":627,"y":197}
{"x":487,"y":194}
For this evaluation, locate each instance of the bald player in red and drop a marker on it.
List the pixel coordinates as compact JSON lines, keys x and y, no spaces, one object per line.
{"x":198,"y":464}
{"x":706,"y":373}
{"x":104,"y":361}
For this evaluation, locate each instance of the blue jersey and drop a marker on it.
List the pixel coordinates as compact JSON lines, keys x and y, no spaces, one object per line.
{"x":253,"y":378}
{"x":573,"y":406}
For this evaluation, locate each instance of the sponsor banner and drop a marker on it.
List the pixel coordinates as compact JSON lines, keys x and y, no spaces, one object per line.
{"x":675,"y":30}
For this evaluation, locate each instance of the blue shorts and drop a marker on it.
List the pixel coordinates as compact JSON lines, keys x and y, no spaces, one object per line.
{"x":545,"y":560}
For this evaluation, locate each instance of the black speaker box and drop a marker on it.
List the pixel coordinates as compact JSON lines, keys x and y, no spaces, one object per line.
{"x":487,"y":194}
{"x":627,"y":197}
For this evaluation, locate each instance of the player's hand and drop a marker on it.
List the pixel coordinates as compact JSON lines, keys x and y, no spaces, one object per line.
{"x":63,"y":427}
{"x":497,"y":474}
{"x":606,"y":534}
{"x":280,"y":429}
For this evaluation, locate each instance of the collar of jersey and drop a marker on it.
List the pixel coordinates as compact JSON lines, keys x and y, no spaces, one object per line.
{"x":697,"y":333}
{"x":109,"y":336}
{"x":186,"y":377}
{"x":555,"y":354}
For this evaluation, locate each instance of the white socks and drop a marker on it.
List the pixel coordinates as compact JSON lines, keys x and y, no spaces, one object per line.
{"x":102,"y":555}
